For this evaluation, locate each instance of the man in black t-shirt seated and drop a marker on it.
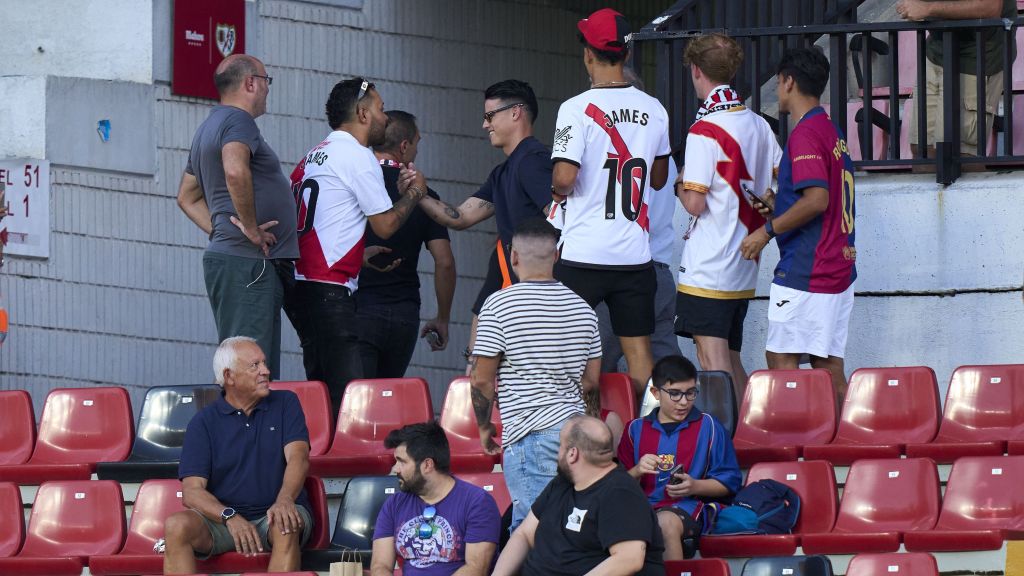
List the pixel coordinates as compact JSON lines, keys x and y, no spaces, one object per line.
{"x":593,"y":514}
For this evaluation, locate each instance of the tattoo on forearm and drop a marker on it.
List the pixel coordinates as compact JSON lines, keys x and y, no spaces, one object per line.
{"x":403,"y":208}
{"x":592,"y":400}
{"x":481,"y":407}
{"x":484,"y":204}
{"x":451,"y":211}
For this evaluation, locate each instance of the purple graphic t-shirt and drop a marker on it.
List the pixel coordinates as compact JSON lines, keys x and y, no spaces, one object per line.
{"x":467,"y":515}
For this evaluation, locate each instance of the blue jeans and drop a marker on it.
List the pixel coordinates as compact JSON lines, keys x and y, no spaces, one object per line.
{"x":387,"y":337}
{"x":529,"y":465}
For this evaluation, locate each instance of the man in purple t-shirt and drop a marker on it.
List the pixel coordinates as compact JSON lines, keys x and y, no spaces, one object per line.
{"x":438,"y":524}
{"x":812,"y":292}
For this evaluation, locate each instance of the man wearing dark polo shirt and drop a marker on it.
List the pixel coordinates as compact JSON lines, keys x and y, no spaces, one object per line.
{"x":243,"y":465}
{"x":518,"y":189}
{"x":388,"y":299}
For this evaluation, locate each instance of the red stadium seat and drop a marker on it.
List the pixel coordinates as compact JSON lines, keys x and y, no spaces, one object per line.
{"x":814,"y":481}
{"x":983,"y":405}
{"x":316,"y":405}
{"x":982,"y":507}
{"x":80,"y":427}
{"x":782,"y":411}
{"x":12,"y":518}
{"x":17,"y":427}
{"x":158,"y":499}
{"x":492,"y":483}
{"x":370,"y":410}
{"x":702,"y":567}
{"x":911,"y":564}
{"x":881,"y":499}
{"x":618,"y":396}
{"x":459,"y":423}
{"x":71,"y":520}
{"x":885,"y":409}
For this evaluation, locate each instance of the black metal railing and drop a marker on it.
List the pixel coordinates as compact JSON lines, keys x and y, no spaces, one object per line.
{"x":872,"y":41}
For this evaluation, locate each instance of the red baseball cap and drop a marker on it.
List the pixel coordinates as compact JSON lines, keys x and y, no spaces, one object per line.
{"x":605,"y":30}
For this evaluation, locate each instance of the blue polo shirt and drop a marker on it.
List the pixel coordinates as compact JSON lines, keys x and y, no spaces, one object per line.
{"x":519,"y":187}
{"x":242,"y":457}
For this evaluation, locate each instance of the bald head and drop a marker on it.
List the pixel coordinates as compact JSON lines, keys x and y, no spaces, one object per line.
{"x":591,"y":437}
{"x":233,"y":70}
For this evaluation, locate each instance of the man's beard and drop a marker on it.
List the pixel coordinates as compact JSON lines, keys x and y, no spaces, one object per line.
{"x":377,"y":134}
{"x":563,"y":471}
{"x":412,"y":485}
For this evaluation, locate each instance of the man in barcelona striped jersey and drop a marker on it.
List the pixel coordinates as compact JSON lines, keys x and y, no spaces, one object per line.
{"x":812,"y":293}
{"x":610,"y":147}
{"x":541,"y":341}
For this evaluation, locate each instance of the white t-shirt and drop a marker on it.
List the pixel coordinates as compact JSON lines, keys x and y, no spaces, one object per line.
{"x":613,"y":135}
{"x":725,"y":150}
{"x":338,"y":184}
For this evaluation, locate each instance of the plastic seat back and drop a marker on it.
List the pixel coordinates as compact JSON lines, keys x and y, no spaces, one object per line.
{"x":156,"y":500}
{"x":717,"y":397}
{"x":984,"y":493}
{"x":317,"y":494}
{"x":814,"y":481}
{"x":84,"y":425}
{"x":906,"y":564}
{"x":787,"y":408}
{"x":12,"y":518}
{"x":618,"y":396}
{"x":890,"y":406}
{"x":370,"y":409}
{"x":165,"y":414}
{"x":75,"y":518}
{"x":457,"y":417}
{"x":788,"y":566}
{"x":316,"y":405}
{"x":17,"y":427}
{"x":889,"y":495}
{"x":983,"y":403}
{"x":358,"y":509}
{"x":494,"y":484}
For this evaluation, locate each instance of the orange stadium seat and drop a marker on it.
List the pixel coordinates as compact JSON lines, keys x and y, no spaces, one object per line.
{"x":782,"y":411}
{"x":71,"y":520}
{"x":983,"y":404}
{"x":459,"y":423}
{"x":80,"y":427}
{"x":494,"y":484}
{"x":618,"y":396}
{"x":370,"y":409}
{"x":885,"y":409}
{"x":881,"y":499}
{"x":701,"y":567}
{"x":316,"y":405}
{"x":814,"y":481}
{"x":983,"y":506}
{"x":17,"y":427}
{"x":12,"y":518}
{"x":908,"y":564}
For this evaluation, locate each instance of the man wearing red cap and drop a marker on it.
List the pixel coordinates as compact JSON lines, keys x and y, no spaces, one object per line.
{"x":610,"y":148}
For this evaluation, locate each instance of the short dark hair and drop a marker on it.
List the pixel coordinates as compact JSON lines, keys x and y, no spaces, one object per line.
{"x":232,"y":75}
{"x":606,"y":56}
{"x":511,"y":90}
{"x":401,"y":127}
{"x":423,"y":440}
{"x":536,"y":227}
{"x":674,"y":368}
{"x":341,"y":104}
{"x":808,"y":67}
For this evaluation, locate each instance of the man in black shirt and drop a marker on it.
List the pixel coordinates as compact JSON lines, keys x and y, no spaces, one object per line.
{"x":592,"y":516}
{"x":388,"y":299}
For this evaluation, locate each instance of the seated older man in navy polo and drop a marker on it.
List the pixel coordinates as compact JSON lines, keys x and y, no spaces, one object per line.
{"x":243,"y":465}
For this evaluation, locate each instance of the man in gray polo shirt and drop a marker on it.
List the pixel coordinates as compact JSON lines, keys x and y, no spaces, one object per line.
{"x":234,"y":190}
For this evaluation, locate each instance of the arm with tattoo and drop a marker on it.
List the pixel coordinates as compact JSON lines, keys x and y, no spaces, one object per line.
{"x":470,"y":212}
{"x":483,"y":371}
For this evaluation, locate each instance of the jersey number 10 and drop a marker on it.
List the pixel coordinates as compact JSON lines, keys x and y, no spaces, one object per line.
{"x":625,"y":173}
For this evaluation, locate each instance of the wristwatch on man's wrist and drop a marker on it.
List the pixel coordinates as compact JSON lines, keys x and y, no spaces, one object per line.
{"x":467,"y":353}
{"x":768,"y":228}
{"x":227,"y":514}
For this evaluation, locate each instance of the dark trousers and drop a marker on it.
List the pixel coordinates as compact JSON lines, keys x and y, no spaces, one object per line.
{"x":387,"y":338}
{"x":324,"y":317}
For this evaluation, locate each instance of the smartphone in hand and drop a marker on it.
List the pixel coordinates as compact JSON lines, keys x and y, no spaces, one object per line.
{"x":758,"y":199}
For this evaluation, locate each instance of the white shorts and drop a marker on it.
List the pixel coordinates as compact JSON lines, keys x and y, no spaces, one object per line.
{"x":808,"y":322}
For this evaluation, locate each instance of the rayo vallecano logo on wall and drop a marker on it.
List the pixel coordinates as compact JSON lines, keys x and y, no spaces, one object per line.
{"x":225,"y":36}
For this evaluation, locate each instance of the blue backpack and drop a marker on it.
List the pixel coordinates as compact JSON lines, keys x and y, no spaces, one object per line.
{"x":764,"y":507}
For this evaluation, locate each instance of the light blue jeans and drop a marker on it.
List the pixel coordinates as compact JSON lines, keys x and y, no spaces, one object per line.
{"x":529,"y":465}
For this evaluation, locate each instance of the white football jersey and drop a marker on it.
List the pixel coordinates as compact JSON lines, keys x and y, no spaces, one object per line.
{"x":337,"y":185}
{"x":614,"y":135}
{"x":725,"y":151}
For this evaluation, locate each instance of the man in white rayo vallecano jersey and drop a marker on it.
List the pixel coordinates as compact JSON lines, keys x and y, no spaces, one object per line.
{"x":728,"y":149}
{"x":339,"y":187}
{"x":610,"y":148}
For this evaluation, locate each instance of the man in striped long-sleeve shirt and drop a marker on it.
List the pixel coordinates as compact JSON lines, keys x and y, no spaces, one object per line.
{"x":542,"y":342}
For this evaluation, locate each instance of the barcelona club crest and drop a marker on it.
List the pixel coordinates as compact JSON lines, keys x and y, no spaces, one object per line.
{"x":226,"y":39}
{"x":666,"y":462}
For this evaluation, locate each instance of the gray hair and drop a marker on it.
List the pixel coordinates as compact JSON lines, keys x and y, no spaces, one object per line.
{"x":226,"y":356}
